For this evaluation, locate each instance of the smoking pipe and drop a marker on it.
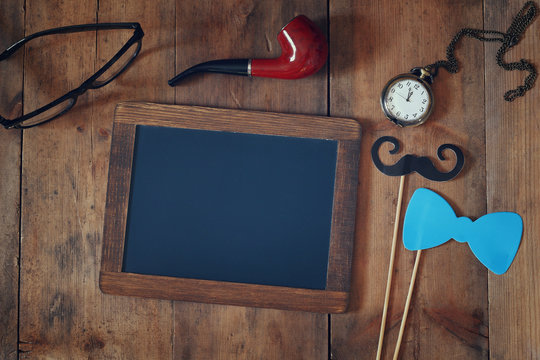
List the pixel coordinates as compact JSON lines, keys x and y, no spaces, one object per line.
{"x":303,"y":52}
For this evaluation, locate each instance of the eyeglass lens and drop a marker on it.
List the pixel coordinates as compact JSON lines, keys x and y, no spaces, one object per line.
{"x":49,"y":114}
{"x":118,"y":66}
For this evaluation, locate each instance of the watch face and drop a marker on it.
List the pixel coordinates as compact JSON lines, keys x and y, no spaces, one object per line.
{"x":407,"y":100}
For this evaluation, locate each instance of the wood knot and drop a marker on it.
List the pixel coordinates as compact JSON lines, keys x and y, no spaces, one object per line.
{"x":103,"y":133}
{"x":93,"y":343}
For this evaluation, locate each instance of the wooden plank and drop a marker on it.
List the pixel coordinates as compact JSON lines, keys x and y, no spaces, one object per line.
{"x":513,"y":167}
{"x":65,"y":165}
{"x":116,"y":208}
{"x":251,"y":122}
{"x":343,"y":217}
{"x":377,"y":41}
{"x":11,"y":72}
{"x":53,"y":237}
{"x":219,"y":292}
{"x":228,"y":29}
{"x":232,"y":330}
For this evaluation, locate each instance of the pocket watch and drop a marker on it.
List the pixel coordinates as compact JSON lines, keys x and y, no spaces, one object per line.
{"x":407,"y":99}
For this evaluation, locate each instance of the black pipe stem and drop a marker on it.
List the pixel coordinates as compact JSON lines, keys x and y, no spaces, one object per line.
{"x":227,"y":66}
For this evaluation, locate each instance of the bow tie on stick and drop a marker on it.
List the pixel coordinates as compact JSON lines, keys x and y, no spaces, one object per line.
{"x":430,"y":221}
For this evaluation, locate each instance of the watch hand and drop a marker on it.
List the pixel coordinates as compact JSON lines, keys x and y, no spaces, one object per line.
{"x":409,"y":96}
{"x":402,"y":96}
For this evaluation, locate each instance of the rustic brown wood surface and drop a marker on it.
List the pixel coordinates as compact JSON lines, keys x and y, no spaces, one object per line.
{"x":218,"y":292}
{"x":12,"y":25}
{"x":512,"y":170}
{"x":56,"y":310}
{"x":250,"y":122}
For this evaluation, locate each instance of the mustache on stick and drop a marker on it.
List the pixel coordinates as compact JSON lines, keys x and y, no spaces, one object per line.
{"x":412,"y":163}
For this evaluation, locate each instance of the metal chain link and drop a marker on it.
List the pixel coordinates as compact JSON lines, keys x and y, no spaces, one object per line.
{"x":509,"y":39}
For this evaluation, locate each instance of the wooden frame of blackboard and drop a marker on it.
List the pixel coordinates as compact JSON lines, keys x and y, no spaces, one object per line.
{"x":333,"y":299}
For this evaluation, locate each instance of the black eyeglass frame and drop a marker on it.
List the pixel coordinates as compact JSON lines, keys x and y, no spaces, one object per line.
{"x":88,"y":84}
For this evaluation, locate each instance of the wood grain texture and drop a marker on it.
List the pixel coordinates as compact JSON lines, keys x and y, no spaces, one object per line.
{"x":63,"y":315}
{"x":65,"y":165}
{"x":219,"y":292}
{"x":334,"y":299}
{"x":512,"y":170}
{"x":343,"y":217}
{"x":252,"y":122}
{"x":54,"y":205}
{"x":116,"y":208}
{"x":11,"y":73}
{"x":377,"y":41}
{"x":235,"y":29}
{"x":274,"y":338}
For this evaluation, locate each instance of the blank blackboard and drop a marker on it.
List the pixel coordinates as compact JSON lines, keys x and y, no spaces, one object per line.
{"x":230,"y":207}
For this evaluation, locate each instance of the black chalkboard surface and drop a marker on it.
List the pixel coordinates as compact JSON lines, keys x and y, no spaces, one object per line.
{"x":230,"y":207}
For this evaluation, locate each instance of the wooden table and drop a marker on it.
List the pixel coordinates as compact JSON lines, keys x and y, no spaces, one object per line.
{"x":53,"y":179}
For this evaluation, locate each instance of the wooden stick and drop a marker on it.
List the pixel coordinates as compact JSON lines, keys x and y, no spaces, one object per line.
{"x":407,"y":304}
{"x":390,"y":267}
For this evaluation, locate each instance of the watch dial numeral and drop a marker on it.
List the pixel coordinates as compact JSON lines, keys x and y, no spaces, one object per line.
{"x":400,"y":85}
{"x":390,"y":99}
{"x":406,"y":116}
{"x":408,"y":83}
{"x":398,"y":113}
{"x":416,"y":86}
{"x":421,"y":109}
{"x":422,"y":93}
{"x":393,"y":90}
{"x":414,"y":115}
{"x":393,"y":107}
{"x":424,"y":101}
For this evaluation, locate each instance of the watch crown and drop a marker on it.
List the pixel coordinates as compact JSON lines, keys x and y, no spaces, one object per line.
{"x":424,"y":73}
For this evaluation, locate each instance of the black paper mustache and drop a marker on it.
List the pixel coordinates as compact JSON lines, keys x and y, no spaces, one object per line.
{"x":421,"y":165}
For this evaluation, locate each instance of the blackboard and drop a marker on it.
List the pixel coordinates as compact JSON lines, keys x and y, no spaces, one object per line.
{"x":230,"y":207}
{"x":230,"y":201}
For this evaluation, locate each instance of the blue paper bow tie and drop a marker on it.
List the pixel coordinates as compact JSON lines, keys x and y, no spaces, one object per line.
{"x":430,"y":221}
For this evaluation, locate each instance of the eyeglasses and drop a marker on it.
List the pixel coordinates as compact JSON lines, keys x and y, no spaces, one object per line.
{"x":114,"y":67}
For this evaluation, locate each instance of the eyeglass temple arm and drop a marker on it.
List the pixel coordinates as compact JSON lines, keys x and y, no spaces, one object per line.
{"x":68,"y":30}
